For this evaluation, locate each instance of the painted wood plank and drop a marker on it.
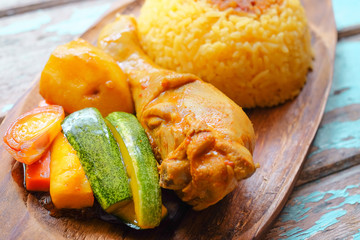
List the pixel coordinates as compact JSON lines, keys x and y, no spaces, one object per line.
{"x":328,"y":208}
{"x":346,"y":13}
{"x":9,"y":8}
{"x":349,"y":31}
{"x":337,"y":143}
{"x":27,"y":40}
{"x":16,"y":3}
{"x":352,"y":38}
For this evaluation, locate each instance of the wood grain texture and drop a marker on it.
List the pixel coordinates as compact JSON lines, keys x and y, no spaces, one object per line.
{"x":324,"y":209}
{"x":349,"y":31}
{"x":337,"y":142}
{"x":284,"y":134}
{"x":352,"y":38}
{"x":8,"y":5}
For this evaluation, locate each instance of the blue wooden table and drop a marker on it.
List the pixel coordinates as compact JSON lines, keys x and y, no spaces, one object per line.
{"x":326,"y":202}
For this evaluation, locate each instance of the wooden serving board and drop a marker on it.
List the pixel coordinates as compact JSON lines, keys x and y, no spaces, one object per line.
{"x":284,"y":135}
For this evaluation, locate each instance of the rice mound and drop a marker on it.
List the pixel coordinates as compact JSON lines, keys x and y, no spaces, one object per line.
{"x":257,"y":58}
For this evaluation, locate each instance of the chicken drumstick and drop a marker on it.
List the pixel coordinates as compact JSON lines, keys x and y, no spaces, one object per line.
{"x":202,"y":139}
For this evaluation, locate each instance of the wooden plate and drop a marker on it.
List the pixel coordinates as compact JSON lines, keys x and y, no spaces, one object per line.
{"x":284,"y":135}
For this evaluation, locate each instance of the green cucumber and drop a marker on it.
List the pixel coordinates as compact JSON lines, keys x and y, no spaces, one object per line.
{"x":141,"y":167}
{"x":100,"y":157}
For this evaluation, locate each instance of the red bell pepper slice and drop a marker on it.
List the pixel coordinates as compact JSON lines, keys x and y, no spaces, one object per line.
{"x":37,"y":175}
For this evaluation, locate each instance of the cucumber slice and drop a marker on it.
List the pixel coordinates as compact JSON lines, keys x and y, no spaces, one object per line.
{"x":141,"y":167}
{"x":100,"y":157}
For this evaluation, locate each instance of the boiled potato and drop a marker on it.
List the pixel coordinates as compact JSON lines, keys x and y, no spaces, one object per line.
{"x":79,"y":75}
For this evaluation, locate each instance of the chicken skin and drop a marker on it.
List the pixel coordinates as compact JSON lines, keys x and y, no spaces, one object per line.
{"x":202,"y":139}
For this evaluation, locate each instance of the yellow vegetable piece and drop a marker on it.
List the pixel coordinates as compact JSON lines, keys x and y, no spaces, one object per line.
{"x":69,"y":187}
{"x":79,"y":75}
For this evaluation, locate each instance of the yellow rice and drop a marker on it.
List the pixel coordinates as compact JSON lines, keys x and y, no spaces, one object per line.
{"x":257,"y":59}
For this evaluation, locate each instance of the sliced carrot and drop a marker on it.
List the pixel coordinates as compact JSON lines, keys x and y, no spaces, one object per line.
{"x":37,"y":175}
{"x":30,"y":136}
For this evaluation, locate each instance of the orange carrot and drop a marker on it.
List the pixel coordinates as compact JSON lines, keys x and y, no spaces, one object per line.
{"x":37,"y":175}
{"x":30,"y":136}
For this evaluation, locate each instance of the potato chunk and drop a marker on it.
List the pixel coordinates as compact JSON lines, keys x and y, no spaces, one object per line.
{"x":79,"y":75}
{"x":69,"y":187}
